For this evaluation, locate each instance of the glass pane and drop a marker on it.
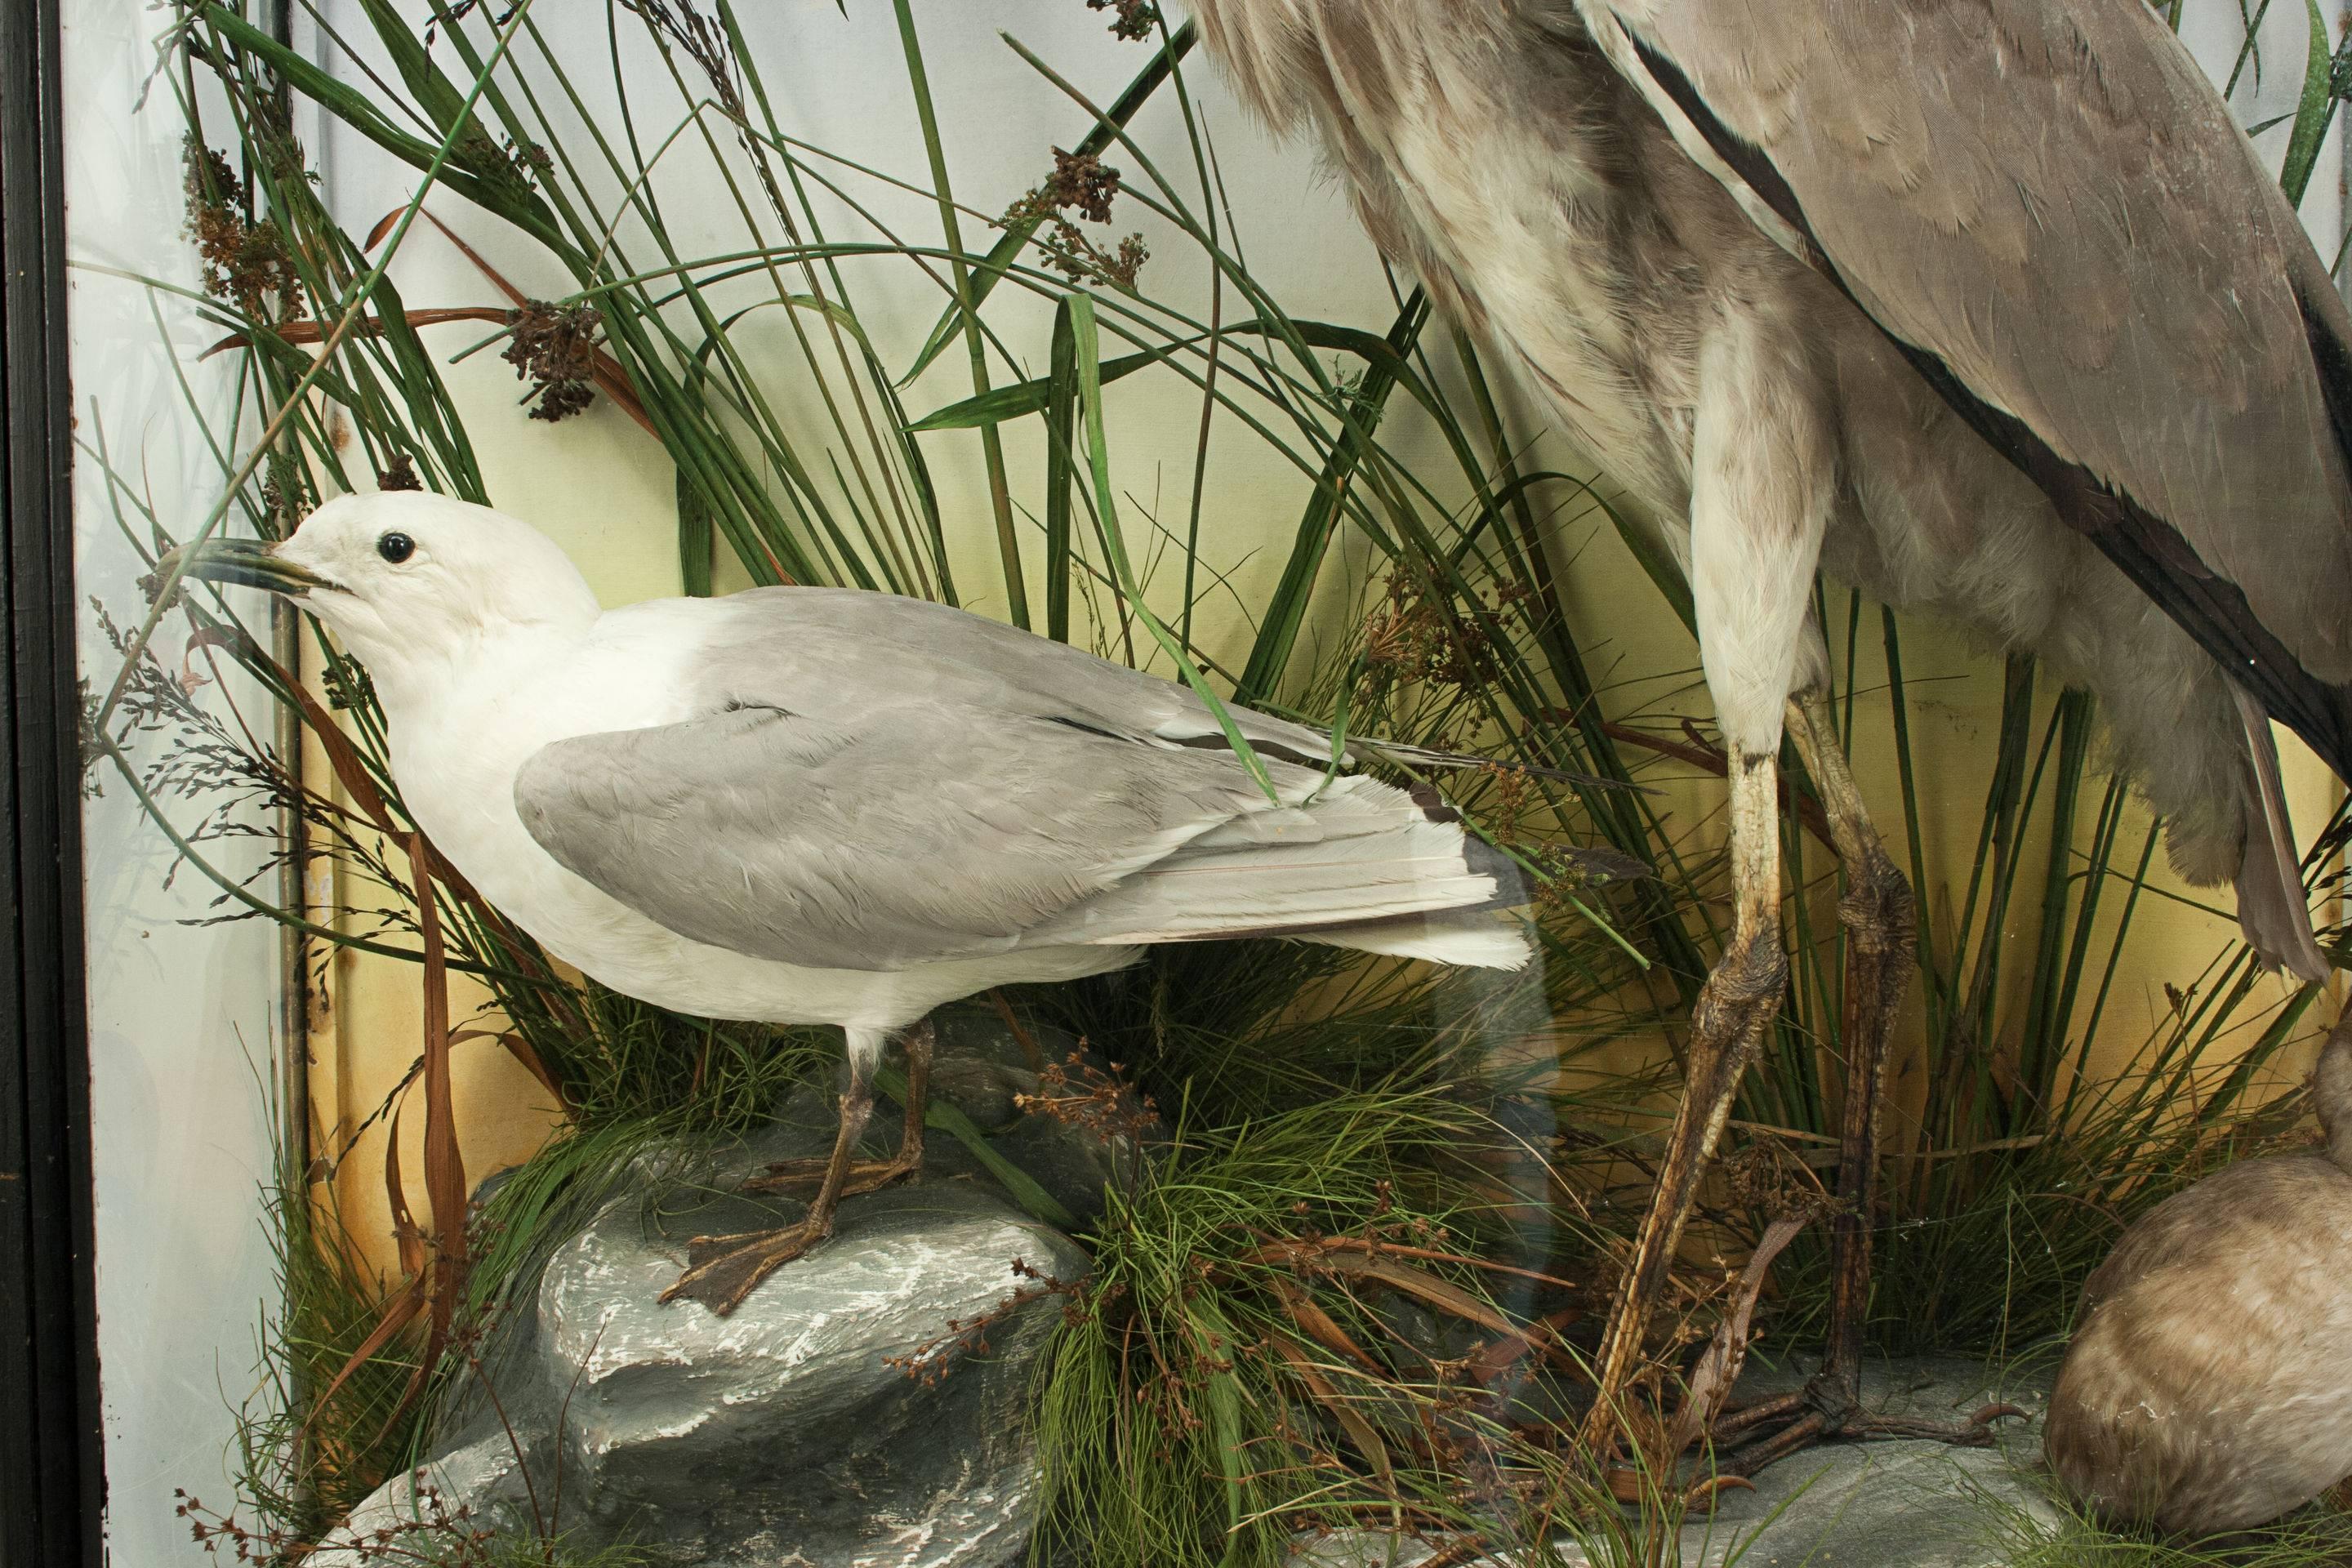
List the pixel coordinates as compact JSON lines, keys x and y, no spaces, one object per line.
{"x":184,"y":1021}
{"x":742,"y":569}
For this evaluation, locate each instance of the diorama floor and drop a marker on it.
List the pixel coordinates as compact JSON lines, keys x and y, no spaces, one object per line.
{"x":1866,"y":1505}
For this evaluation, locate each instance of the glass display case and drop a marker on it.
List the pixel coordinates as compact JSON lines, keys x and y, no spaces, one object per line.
{"x":953,"y":781}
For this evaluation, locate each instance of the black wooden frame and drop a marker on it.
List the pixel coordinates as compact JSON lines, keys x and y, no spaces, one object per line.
{"x":52,"y":1485}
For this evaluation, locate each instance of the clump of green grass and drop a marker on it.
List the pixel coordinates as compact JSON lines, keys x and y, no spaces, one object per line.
{"x":1290,"y":1327}
{"x":304,"y":1461}
{"x":2317,"y":1536}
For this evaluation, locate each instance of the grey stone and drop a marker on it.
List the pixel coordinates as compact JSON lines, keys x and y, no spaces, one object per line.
{"x":836,"y":1419}
{"x":786,"y":1428}
{"x":1908,"y":1504}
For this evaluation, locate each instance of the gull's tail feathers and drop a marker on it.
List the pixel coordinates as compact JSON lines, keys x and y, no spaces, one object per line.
{"x":1472,"y":942}
{"x":1362,"y":865}
{"x":1421,"y":756}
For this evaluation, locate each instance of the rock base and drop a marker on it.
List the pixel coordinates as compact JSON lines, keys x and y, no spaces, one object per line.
{"x":863,"y":1406}
{"x":1865,"y":1505}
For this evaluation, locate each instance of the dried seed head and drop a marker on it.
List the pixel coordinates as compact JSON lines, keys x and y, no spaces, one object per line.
{"x":1131,"y":20}
{"x":245,"y":264}
{"x":553,"y":347}
{"x":400,"y":474}
{"x":1083,"y":181}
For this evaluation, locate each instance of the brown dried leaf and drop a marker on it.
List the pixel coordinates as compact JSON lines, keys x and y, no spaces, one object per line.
{"x":1358,"y":1430}
{"x":1710,"y":1381}
{"x":1425,"y":1286}
{"x":445,"y":1165}
{"x":397,"y":1312}
{"x":1319,"y":1325}
{"x":308,"y":331}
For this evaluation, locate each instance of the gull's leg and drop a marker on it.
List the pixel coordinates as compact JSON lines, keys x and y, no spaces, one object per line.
{"x":723,"y":1269}
{"x":867,"y":1176}
{"x":917,"y":1042}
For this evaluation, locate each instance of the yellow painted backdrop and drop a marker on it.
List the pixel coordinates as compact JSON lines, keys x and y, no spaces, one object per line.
{"x":604,"y":490}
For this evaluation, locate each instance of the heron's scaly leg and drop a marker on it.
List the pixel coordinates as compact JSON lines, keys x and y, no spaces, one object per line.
{"x":1741,"y":997}
{"x":1882,"y":931}
{"x":1881,"y":924}
{"x":1763,"y":479}
{"x":721,"y":1270}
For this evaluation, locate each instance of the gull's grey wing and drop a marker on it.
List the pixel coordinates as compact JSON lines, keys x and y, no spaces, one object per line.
{"x":839,"y":652}
{"x":868,"y":783}
{"x":924,"y":832}
{"x":2049,"y":208}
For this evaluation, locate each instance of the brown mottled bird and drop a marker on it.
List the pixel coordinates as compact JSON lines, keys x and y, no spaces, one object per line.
{"x":2209,"y":1385}
{"x":1986,"y":306}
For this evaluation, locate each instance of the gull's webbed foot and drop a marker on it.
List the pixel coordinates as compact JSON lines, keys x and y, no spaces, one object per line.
{"x":722,"y":1270}
{"x":798,"y":1178}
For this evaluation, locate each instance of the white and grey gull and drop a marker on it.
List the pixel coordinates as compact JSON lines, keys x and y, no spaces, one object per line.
{"x":815,"y":805}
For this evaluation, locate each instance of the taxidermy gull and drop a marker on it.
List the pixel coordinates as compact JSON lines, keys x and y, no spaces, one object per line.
{"x":2209,"y":1385}
{"x":819,"y":806}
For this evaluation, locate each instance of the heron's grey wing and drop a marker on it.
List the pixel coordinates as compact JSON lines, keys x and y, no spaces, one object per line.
{"x":926,"y":832}
{"x":2046,"y":204}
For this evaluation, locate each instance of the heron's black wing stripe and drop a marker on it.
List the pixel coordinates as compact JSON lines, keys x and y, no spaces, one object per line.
{"x":2333,"y":360}
{"x":2149,"y":550}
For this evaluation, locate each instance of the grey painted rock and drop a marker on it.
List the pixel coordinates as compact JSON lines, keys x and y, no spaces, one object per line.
{"x":1873,"y":1505}
{"x":838,"y":1418}
{"x":1881,"y":1505}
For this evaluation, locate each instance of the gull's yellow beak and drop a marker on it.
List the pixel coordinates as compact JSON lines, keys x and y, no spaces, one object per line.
{"x":248,"y":562}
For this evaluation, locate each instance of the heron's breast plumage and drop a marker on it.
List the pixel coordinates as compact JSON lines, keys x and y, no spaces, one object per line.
{"x":1502,"y":169}
{"x":1495,"y":151}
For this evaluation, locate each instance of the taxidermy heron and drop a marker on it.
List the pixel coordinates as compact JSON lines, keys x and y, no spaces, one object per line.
{"x":821,"y":805}
{"x":1987,"y":306}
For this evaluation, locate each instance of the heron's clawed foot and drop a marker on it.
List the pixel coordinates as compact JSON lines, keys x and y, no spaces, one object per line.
{"x":723,"y":1269}
{"x":1735,"y":1009}
{"x":1979,"y":1431}
{"x":1750,"y":1440}
{"x":800,"y":1178}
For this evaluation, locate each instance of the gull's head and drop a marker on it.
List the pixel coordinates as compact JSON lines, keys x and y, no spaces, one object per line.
{"x":406,"y":578}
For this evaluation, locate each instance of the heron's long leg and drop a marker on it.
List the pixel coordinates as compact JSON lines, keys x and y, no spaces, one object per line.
{"x":1882,"y":936}
{"x":1763,"y":481}
{"x":721,"y":1270}
{"x":1882,"y":931}
{"x":1736,"y":1006}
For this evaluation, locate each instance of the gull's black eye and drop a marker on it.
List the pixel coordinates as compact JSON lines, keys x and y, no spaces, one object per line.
{"x":395,"y":547}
